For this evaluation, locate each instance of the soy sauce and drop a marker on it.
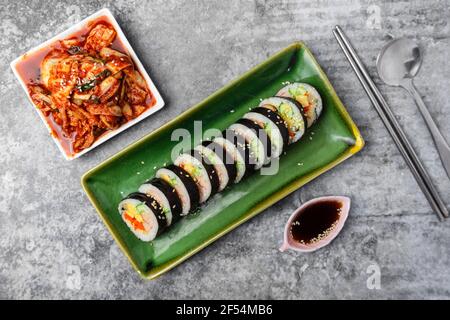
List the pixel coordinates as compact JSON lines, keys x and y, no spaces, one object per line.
{"x":316,"y":221}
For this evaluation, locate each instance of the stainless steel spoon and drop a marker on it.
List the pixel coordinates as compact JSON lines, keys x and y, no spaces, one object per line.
{"x":397,"y":64}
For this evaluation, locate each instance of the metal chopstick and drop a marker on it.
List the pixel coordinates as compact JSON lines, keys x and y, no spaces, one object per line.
{"x":392,"y":126}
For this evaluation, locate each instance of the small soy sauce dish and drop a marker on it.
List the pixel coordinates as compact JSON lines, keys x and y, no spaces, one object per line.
{"x":315,"y":223}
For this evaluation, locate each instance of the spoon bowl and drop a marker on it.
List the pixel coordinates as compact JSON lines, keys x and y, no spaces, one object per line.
{"x":398,"y":60}
{"x":397,"y":64}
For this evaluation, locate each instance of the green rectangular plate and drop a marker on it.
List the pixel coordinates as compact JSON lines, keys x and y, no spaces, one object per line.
{"x":335,"y":138}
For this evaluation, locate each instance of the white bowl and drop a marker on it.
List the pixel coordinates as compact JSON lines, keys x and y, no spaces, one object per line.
{"x":63,"y":35}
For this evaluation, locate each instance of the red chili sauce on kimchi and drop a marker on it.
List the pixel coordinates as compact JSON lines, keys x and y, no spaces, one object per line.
{"x":85,"y":85}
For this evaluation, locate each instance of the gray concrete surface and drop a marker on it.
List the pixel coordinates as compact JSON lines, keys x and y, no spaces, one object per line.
{"x":53,"y":245}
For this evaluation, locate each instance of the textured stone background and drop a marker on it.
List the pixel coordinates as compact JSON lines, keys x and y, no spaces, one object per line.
{"x":53,"y":245}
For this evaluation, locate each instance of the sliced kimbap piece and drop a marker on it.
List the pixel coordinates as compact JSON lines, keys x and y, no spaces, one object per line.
{"x":198,"y":173}
{"x":143,"y":215}
{"x":307,"y":96}
{"x":236,"y":156}
{"x":223,"y":164}
{"x":210,"y":169}
{"x":273,"y":125}
{"x":226,"y":158}
{"x":165,"y":195}
{"x":184,"y":185}
{"x":243,"y":148}
{"x":257,"y":139}
{"x":292,"y":114}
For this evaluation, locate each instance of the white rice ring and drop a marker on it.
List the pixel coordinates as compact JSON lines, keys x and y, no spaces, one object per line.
{"x":200,"y":177}
{"x":216,"y":161}
{"x":307,"y":96}
{"x":158,"y":195}
{"x":235,"y":154}
{"x":250,"y":137}
{"x":273,"y":132}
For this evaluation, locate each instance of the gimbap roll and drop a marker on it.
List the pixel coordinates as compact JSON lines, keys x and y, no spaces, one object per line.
{"x":216,"y":156}
{"x":236,"y":156}
{"x":273,"y":125}
{"x":143,"y":215}
{"x":307,"y":96}
{"x":165,"y":195}
{"x":260,"y":136}
{"x":292,"y":114}
{"x":198,"y":172}
{"x":257,"y":139}
{"x":184,"y":185}
{"x":210,"y":169}
{"x":243,"y":148}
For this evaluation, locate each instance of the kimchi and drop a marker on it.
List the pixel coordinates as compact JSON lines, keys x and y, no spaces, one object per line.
{"x":86,"y":85}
